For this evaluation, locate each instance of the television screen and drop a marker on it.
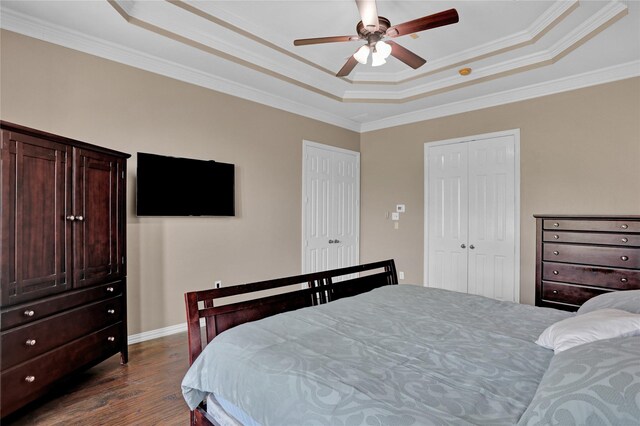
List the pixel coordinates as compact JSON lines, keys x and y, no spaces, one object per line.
{"x":170,"y":186}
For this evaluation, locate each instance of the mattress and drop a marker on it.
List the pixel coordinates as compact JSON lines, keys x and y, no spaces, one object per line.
{"x":403,"y":355}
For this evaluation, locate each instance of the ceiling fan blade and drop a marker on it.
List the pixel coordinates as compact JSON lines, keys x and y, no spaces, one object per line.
{"x":440,"y":19}
{"x":319,"y":40}
{"x":405,"y":55}
{"x":347,"y":67}
{"x":368,"y":14}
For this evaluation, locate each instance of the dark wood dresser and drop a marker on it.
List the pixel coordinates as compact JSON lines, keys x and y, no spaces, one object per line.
{"x":63,"y":275}
{"x":579,"y":257}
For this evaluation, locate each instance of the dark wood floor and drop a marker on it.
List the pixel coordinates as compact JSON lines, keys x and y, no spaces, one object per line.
{"x":146,"y":391}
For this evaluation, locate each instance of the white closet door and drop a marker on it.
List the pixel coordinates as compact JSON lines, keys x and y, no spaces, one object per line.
{"x":345,"y":196}
{"x":331,"y":209}
{"x":492,"y":217}
{"x":447,"y":212}
{"x":317,"y":209}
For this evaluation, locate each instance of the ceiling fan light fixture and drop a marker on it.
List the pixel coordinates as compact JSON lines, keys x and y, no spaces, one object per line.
{"x":362,"y":55}
{"x":377,"y":59}
{"x":383,"y":49}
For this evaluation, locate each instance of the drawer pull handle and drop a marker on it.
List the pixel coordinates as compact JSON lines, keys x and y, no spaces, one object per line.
{"x":624,"y":226}
{"x":556,"y":252}
{"x":623,"y":280}
{"x":29,"y":313}
{"x":30,"y":342}
{"x":110,"y":289}
{"x":556,"y":236}
{"x":625,"y":258}
{"x":625,"y":240}
{"x":30,"y":379}
{"x":555,"y":272}
{"x":111,"y":311}
{"x":556,"y":224}
{"x":111,"y":339}
{"x":555,"y":292}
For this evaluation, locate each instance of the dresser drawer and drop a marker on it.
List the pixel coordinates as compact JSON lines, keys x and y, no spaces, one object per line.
{"x":29,"y":312}
{"x":28,"y":380}
{"x":626,"y":240}
{"x":568,"y":294}
{"x":601,"y":256}
{"x":23,"y":343}
{"x":593,"y":225}
{"x":619,"y":279}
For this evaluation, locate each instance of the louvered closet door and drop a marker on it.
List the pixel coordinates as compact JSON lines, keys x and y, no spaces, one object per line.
{"x":447,"y":217}
{"x":491,"y":218}
{"x":330,"y":226}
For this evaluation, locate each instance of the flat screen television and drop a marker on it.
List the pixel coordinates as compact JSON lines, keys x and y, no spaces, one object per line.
{"x":171,"y":186}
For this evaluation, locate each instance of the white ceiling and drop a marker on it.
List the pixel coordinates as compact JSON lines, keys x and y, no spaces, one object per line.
{"x":516,"y":49}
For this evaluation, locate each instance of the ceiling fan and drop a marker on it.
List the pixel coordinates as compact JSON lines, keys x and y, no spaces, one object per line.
{"x":373,"y":29}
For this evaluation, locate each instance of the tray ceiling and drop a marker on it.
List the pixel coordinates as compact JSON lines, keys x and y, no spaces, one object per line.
{"x":516,"y":50}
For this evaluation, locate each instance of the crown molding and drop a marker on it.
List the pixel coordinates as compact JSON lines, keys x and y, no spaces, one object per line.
{"x":565,"y":84}
{"x":45,"y":31}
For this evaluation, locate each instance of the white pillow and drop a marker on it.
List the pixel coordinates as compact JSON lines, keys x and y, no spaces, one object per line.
{"x":592,"y":326}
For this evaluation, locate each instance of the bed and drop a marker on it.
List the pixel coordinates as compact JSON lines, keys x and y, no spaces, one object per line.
{"x":384,"y":354}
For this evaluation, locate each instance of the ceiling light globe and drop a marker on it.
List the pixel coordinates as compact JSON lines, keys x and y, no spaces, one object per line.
{"x":377,"y":59}
{"x":383,"y":49}
{"x":362,"y":55}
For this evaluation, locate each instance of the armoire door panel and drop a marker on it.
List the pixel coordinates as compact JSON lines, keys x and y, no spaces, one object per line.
{"x":35,"y":174}
{"x":97,"y":207}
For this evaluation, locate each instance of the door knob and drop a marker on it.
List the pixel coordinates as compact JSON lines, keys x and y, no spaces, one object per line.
{"x":336,"y":241}
{"x":472,"y":247}
{"x":463,"y":245}
{"x":330,"y":241}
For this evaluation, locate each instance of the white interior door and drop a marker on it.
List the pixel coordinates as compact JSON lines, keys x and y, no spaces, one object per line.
{"x":472,"y":213}
{"x":448,"y":217}
{"x":331,"y":207}
{"x":492,"y":218}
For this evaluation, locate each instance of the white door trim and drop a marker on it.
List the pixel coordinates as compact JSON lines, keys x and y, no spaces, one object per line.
{"x":306,"y":144}
{"x":516,"y":136}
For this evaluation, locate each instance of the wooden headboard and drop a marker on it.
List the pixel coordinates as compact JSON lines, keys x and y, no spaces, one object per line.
{"x":321,"y":287}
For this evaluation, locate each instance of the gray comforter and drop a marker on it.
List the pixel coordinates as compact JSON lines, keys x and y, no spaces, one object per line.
{"x":398,"y":355}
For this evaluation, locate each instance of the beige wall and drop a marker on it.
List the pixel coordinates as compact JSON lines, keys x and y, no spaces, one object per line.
{"x":101,"y":102}
{"x":580,"y":154}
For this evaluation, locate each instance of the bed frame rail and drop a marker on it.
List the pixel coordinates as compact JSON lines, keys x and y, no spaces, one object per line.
{"x":321,"y":287}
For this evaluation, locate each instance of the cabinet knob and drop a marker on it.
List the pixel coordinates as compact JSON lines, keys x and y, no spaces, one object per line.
{"x":555,"y":272}
{"x":556,"y":224}
{"x":623,"y":280}
{"x":624,"y":226}
{"x":624,"y":239}
{"x":556,"y":252}
{"x":80,"y":218}
{"x":71,"y":218}
{"x":555,"y":292}
{"x":30,"y":342}
{"x":625,"y":258}
{"x":110,"y":289}
{"x":556,"y":236}
{"x":30,"y":379}
{"x":111,"y":339}
{"x":111,"y":311}
{"x":29,"y":313}
{"x":472,"y":247}
{"x":463,"y":245}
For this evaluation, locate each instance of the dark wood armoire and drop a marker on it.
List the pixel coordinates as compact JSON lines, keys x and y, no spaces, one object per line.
{"x":63,"y":260}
